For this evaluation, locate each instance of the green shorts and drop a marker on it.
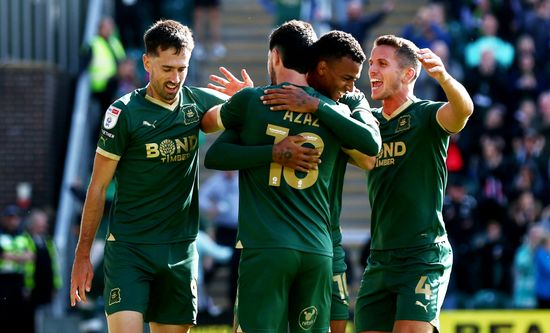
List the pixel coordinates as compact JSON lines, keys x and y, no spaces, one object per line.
{"x":403,"y":284}
{"x":157,"y":280}
{"x":282,"y":290}
{"x":339,"y":307}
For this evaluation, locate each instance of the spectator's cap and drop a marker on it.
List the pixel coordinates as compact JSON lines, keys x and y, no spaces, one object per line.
{"x":10,"y":210}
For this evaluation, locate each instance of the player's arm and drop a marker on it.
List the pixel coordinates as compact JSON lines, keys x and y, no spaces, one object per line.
{"x":227,"y":153}
{"x":229,"y":84}
{"x":361,"y":135}
{"x":82,"y":272}
{"x":360,"y":109}
{"x":454,"y":114}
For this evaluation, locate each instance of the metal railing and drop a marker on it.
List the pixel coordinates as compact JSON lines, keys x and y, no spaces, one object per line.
{"x":77,"y":161}
{"x":48,"y":31}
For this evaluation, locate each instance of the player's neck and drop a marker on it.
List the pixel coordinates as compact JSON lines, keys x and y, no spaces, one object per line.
{"x":393,"y":103}
{"x":291,"y":76}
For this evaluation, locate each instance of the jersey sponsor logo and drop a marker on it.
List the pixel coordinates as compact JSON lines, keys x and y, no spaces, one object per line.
{"x":388,"y":153}
{"x":403,"y":123}
{"x":422,"y":305}
{"x":307,"y":317}
{"x":114,"y":296}
{"x":190,"y":114}
{"x":107,"y":134}
{"x":146,"y":123}
{"x":172,"y":150}
{"x":301,"y":118}
{"x":111,"y":117}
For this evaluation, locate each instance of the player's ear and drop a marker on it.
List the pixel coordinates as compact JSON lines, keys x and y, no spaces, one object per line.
{"x":146,"y":62}
{"x":276,"y":56}
{"x":409,"y":75}
{"x":321,"y":67}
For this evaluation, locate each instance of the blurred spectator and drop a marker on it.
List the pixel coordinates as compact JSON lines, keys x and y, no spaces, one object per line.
{"x":127,"y":13}
{"x":16,"y":267}
{"x":525,"y":211}
{"x":126,"y":79}
{"x":493,"y":171}
{"x":459,"y":213}
{"x":102,"y":57}
{"x":46,"y":276}
{"x":219,"y":201}
{"x":208,"y":249}
{"x":428,"y":88}
{"x":537,"y":24}
{"x":425,"y":28}
{"x":357,"y":23}
{"x":543,"y":106}
{"x":524,"y":295}
{"x":488,"y":40}
{"x":487,"y":82}
{"x":207,"y":14}
{"x":496,"y":258}
{"x":542,"y":269}
{"x":526,"y":81}
{"x":283,"y":10}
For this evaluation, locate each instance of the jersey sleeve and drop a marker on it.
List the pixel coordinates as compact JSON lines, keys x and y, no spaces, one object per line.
{"x":227,"y":153}
{"x":234,"y":110}
{"x":205,"y":98}
{"x":356,"y":101}
{"x":431,"y":109}
{"x":114,"y":132}
{"x":352,"y":133}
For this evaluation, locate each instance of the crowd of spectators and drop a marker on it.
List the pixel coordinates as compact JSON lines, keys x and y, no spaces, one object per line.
{"x":497,"y":207}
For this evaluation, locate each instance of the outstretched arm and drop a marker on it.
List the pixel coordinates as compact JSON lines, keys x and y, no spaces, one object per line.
{"x":227,"y":153}
{"x":363,"y":135}
{"x":454,"y":114}
{"x":230,"y":84}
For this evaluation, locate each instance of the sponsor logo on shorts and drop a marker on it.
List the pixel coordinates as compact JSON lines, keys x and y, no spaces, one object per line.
{"x":114,"y":296}
{"x":424,"y":306}
{"x":307,"y":317}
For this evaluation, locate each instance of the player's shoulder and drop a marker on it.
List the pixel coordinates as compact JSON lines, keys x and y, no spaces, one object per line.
{"x":248,"y":93}
{"x":419,"y":105}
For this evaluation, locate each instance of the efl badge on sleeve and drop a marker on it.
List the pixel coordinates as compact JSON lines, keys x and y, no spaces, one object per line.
{"x":190,"y":114}
{"x":111,"y":117}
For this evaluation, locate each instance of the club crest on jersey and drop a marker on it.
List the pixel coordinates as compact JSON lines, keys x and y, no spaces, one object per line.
{"x":111,"y":117}
{"x":190,"y":114}
{"x":403,"y":123}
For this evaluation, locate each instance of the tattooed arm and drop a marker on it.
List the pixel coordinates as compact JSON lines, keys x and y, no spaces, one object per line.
{"x":227,"y":153}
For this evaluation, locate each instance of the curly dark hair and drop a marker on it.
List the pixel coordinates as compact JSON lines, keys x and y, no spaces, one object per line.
{"x":293,"y":39}
{"x":165,"y":34}
{"x":337,"y":44}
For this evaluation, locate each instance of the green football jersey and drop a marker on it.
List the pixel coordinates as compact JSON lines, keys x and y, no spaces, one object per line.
{"x":356,"y":102}
{"x":280,"y":207}
{"x":156,"y":179}
{"x":407,"y":184}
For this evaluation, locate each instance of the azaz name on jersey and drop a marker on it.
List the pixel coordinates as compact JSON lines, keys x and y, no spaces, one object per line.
{"x":301,"y":118}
